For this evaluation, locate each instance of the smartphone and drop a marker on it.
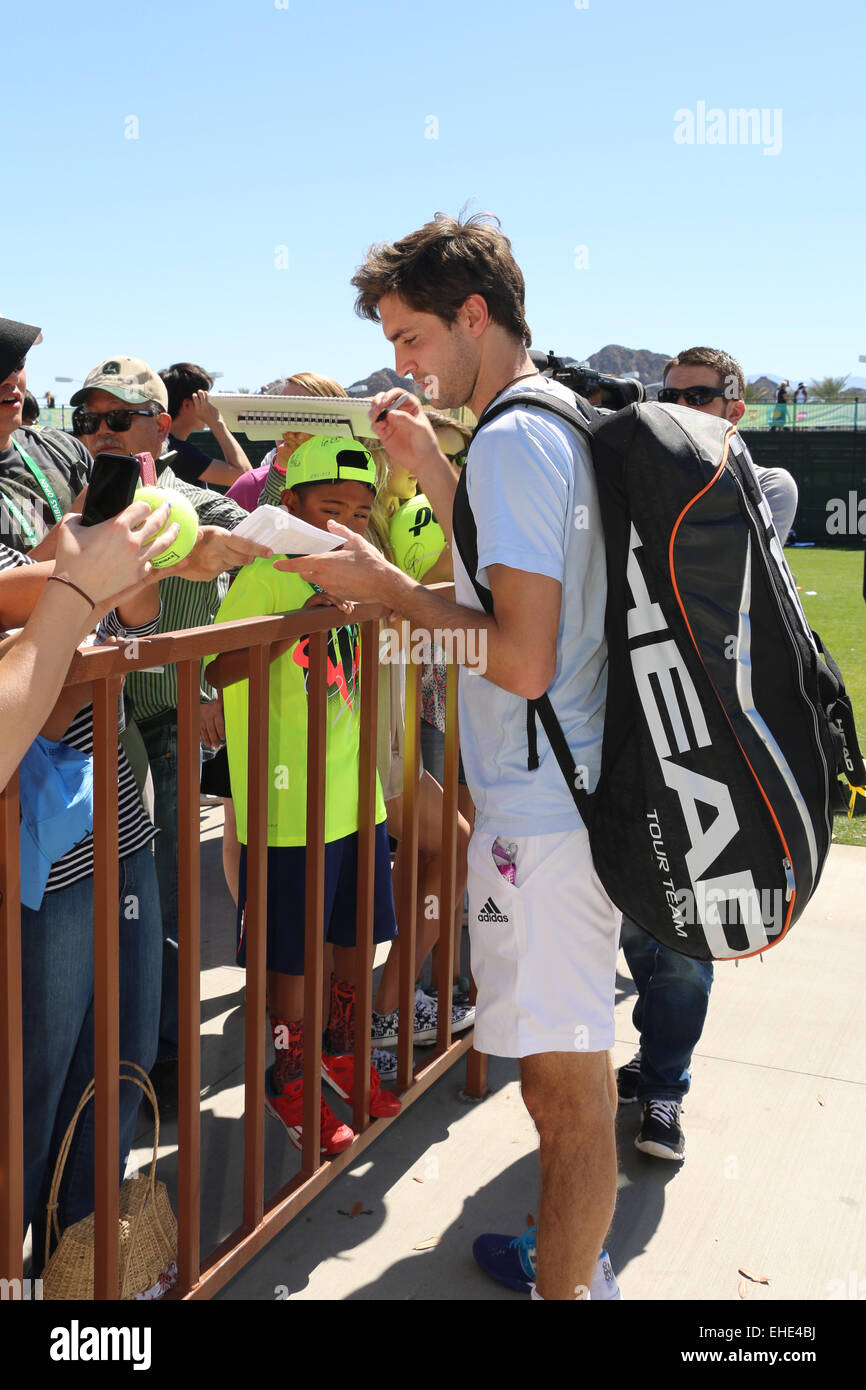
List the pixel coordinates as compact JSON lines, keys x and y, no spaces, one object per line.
{"x":113,"y":480}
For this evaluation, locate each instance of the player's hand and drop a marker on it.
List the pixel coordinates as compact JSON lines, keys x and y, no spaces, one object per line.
{"x":406,"y":433}
{"x":356,"y":571}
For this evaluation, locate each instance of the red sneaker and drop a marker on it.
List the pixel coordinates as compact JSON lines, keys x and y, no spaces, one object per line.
{"x":339,"y":1072}
{"x":289,"y":1109}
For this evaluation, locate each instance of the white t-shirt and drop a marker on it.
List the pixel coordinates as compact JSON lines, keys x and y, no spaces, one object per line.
{"x":532,"y":491}
{"x":780,"y":491}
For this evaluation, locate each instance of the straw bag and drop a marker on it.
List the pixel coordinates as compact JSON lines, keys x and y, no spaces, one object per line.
{"x":148,"y":1230}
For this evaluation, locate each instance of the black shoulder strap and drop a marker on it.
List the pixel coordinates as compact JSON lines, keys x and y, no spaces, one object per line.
{"x":465,"y":536}
{"x":582,"y":416}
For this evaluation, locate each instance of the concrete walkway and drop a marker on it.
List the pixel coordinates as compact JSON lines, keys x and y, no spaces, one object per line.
{"x":772,"y":1184}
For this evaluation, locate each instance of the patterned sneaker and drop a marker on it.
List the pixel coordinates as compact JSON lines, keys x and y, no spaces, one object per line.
{"x":288,"y":1107}
{"x":462,"y":1017}
{"x":510,"y":1260}
{"x":661,"y":1133}
{"x":627,"y":1079}
{"x":339,"y":1072}
{"x":385,"y":1063}
{"x":427,"y":1018}
{"x":383,"y":1029}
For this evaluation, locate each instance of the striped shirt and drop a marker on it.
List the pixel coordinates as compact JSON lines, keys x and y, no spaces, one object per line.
{"x":275,"y":482}
{"x":185,"y":603}
{"x":134,"y":829}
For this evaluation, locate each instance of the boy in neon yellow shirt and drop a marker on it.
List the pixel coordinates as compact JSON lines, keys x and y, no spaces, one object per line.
{"x":325,"y":478}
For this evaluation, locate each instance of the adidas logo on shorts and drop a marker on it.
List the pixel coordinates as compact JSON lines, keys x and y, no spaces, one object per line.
{"x":491,"y":913}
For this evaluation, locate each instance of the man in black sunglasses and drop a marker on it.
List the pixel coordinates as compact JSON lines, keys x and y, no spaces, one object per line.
{"x":122,"y":408}
{"x":712,"y":381}
{"x":673,"y":990}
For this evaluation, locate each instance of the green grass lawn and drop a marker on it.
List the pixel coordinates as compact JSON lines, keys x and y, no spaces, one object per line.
{"x":831,"y":591}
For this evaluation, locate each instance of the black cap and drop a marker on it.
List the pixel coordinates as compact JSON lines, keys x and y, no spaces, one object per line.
{"x":16,"y":340}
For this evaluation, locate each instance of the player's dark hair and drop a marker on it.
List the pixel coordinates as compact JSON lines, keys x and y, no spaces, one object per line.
{"x":437,"y":268}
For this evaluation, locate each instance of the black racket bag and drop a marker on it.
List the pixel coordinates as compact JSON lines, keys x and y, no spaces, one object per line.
{"x":727,"y":725}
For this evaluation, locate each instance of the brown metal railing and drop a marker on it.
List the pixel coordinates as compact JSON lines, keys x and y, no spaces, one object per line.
{"x":262,"y":1218}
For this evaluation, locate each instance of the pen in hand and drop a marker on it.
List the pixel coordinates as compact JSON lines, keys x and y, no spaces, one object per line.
{"x":393,"y":406}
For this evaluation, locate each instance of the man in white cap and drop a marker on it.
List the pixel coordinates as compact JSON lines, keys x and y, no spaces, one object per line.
{"x":122,"y":408}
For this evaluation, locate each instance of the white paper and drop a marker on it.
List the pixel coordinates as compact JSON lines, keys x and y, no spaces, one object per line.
{"x":286,"y":534}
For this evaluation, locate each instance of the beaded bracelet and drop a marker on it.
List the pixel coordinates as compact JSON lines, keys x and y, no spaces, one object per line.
{"x":60,"y":580}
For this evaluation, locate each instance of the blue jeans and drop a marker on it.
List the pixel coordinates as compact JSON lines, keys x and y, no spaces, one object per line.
{"x":673,"y":992}
{"x":57,"y":996}
{"x":161,"y":745}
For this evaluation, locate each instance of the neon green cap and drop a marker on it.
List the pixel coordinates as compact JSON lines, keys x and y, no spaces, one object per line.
{"x":324,"y":459}
{"x":417,"y":539}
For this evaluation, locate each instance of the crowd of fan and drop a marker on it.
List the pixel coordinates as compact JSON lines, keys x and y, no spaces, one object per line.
{"x":61,"y":582}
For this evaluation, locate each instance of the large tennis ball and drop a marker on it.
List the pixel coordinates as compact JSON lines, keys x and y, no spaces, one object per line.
{"x":417,"y":539}
{"x":183,"y":512}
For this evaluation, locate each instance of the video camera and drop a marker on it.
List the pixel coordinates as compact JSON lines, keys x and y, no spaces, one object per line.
{"x":616,"y":391}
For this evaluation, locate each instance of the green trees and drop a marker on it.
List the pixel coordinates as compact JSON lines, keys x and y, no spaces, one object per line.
{"x":828,"y":388}
{"x":754,"y":393}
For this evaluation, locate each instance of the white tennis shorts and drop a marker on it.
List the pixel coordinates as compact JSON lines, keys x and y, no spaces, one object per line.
{"x":544,"y":948}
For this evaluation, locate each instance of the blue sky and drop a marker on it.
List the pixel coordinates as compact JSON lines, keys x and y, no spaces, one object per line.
{"x":276,"y":139}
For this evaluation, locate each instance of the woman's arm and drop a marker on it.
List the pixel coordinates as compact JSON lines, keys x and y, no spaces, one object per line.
{"x":33,"y":671}
{"x":19,"y":591}
{"x":92,"y":564}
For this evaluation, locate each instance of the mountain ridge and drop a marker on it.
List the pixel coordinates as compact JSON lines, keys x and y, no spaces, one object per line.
{"x":614,"y":359}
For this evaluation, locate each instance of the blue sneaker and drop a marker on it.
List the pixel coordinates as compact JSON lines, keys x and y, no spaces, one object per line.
{"x":510,"y":1260}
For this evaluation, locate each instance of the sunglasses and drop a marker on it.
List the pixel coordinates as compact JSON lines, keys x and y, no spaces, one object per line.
{"x":118,"y":421}
{"x":692,"y":395}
